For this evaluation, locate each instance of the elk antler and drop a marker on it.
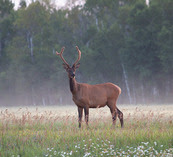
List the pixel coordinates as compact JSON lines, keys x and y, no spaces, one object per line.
{"x":62,"y":56}
{"x":79,"y":55}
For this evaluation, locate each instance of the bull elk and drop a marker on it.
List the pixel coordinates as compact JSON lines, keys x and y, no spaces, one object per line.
{"x":87,"y":96}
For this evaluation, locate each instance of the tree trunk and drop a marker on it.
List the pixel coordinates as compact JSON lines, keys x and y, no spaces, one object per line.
{"x":127,"y":84}
{"x":142,"y":89}
{"x":0,"y":48}
{"x":97,"y":25}
{"x":30,"y":45}
{"x":31,"y":49}
{"x":43,"y":101}
{"x":134,"y":92}
{"x":33,"y":96}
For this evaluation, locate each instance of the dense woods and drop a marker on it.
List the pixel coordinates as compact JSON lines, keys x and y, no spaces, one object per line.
{"x":126,"y":42}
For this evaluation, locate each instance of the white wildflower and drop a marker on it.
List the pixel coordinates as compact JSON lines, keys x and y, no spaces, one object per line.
{"x":155,"y":143}
{"x":55,"y":152}
{"x":146,"y":143}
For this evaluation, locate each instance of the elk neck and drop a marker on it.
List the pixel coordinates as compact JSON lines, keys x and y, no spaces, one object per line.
{"x":73,"y":85}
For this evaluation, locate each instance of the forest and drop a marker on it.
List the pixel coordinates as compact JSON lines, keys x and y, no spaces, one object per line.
{"x":126,"y":42}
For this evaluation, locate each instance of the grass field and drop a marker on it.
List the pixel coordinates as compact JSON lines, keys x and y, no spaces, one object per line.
{"x":53,"y":131}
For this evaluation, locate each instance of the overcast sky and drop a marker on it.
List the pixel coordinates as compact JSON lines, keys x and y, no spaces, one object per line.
{"x":57,"y":2}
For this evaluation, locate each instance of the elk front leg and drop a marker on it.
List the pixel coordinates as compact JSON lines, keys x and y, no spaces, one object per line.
{"x":86,"y":110}
{"x":80,"y":113}
{"x":120,"y":116}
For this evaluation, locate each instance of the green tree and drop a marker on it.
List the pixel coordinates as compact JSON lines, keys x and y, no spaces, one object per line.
{"x":6,"y":8}
{"x":6,"y":32}
{"x":128,"y":43}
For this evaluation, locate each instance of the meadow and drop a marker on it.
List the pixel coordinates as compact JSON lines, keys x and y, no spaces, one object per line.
{"x":53,"y":131}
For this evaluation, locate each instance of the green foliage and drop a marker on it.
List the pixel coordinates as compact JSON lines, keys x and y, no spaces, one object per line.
{"x":33,"y":18}
{"x":109,"y":33}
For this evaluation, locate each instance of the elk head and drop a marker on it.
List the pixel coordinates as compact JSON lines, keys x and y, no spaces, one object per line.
{"x":70,"y":70}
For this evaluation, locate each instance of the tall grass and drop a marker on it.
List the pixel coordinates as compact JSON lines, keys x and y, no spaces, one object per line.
{"x":28,"y":133}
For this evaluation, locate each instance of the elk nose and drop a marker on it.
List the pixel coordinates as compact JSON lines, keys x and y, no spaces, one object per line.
{"x":73,"y":75}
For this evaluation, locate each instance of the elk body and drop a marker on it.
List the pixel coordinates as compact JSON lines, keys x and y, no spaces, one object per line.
{"x":87,"y":96}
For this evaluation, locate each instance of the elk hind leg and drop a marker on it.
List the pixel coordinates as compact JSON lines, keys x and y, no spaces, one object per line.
{"x":114,"y":116}
{"x":120,"y":116}
{"x":113,"y":112}
{"x":80,"y":112}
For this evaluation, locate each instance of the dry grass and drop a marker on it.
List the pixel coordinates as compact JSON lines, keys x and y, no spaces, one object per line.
{"x":162,"y":112}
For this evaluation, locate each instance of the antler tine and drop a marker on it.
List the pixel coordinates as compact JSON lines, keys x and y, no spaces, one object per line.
{"x":62,"y":50}
{"x":79,"y":55}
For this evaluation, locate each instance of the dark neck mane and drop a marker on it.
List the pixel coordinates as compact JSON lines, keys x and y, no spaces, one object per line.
{"x":72,"y":84}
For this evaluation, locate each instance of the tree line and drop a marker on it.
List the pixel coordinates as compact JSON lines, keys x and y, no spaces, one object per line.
{"x":129,"y":43}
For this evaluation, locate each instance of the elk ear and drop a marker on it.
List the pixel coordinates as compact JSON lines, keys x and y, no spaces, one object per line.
{"x":75,"y":66}
{"x":66,"y":67}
